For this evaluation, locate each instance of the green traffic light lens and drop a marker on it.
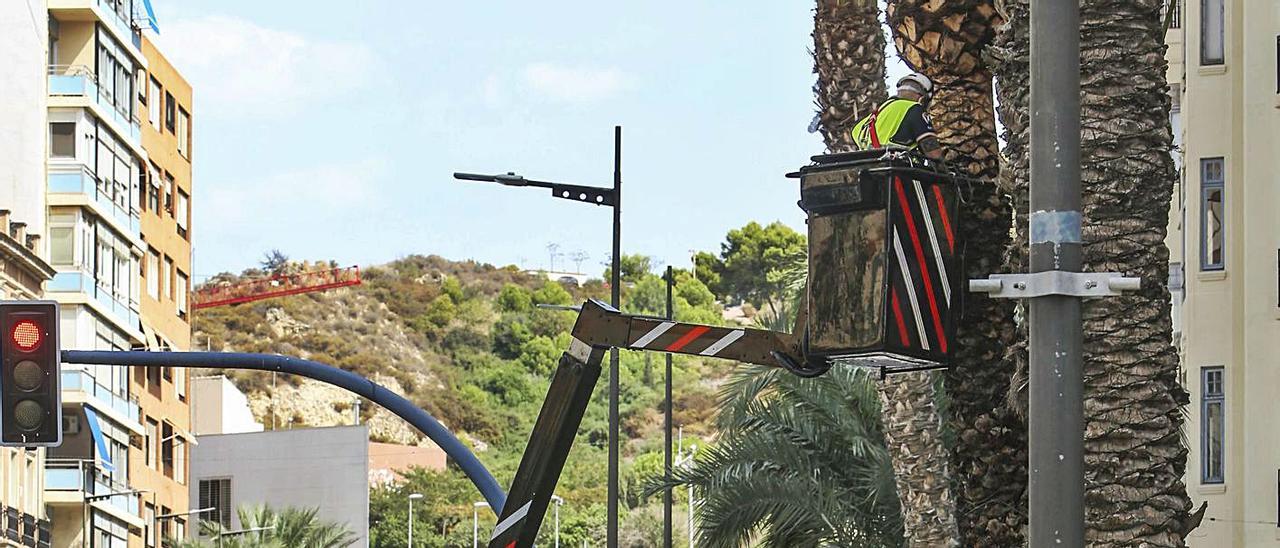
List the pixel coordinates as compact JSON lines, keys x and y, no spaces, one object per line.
{"x":28,"y":415}
{"x":28,"y":375}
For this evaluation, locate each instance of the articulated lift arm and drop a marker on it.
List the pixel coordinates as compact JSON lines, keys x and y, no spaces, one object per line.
{"x":600,"y":327}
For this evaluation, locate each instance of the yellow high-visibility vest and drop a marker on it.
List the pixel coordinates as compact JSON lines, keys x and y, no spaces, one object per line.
{"x":888,"y":119}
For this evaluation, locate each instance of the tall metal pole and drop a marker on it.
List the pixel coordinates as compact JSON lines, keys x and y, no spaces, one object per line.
{"x":611,"y":529}
{"x":410,"y":522}
{"x":1056,"y":397}
{"x":666,"y":426}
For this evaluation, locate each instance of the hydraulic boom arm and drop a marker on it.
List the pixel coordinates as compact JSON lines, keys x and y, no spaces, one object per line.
{"x":598,"y":328}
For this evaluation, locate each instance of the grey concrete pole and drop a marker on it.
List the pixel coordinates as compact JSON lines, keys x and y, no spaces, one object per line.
{"x":1056,"y":397}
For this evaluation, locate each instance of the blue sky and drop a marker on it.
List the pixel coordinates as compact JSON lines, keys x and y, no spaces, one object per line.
{"x":330,"y":130}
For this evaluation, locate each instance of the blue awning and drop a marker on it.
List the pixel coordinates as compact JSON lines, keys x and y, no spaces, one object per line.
{"x":151,"y":16}
{"x":96,"y":429}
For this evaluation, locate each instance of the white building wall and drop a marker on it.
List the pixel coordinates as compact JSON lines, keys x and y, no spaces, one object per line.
{"x":323,"y":468}
{"x":218,"y":407}
{"x":24,"y":44}
{"x":1231,"y":318}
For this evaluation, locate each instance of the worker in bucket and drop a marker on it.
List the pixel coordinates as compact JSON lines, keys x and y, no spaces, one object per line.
{"x":901,"y":122}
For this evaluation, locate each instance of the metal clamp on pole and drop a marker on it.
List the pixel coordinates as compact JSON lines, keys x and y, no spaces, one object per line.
{"x":1055,"y":282}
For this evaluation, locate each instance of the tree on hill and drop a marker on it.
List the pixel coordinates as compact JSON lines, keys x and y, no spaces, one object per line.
{"x":749,"y":265}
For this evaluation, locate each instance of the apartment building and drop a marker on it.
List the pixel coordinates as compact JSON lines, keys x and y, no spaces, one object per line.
{"x":23,"y":261}
{"x":1225,"y":74}
{"x":117,"y":480}
{"x":159,"y":463}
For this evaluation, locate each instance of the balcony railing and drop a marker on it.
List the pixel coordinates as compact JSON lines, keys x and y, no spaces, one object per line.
{"x":84,"y":477}
{"x":123,"y":308}
{"x":77,"y":178}
{"x":24,"y":529}
{"x":79,"y":379}
{"x":1171,"y":14}
{"x":79,"y":81}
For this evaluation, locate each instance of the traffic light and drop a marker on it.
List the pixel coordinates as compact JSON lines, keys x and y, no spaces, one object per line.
{"x":30,"y":395}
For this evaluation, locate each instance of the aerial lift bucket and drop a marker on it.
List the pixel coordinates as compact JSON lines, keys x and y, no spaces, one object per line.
{"x":883,"y":290}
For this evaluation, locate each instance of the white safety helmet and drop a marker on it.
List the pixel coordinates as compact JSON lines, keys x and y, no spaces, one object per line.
{"x":916,"y":82}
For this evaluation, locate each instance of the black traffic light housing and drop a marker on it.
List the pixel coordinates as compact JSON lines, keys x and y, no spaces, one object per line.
{"x":30,"y":360}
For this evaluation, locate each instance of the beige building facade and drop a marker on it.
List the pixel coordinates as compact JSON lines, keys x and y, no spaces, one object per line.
{"x":159,"y":463}
{"x":1225,"y":271}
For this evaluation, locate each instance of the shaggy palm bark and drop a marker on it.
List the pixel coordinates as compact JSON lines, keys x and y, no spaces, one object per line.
{"x":848,"y":57}
{"x":945,"y":39}
{"x":1134,"y":456}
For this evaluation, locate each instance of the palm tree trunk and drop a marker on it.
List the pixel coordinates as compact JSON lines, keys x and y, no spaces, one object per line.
{"x":1134,"y":456}
{"x":848,"y":57}
{"x":913,"y":433}
{"x":945,"y":39}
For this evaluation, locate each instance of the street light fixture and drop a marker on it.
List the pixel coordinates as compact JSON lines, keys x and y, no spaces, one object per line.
{"x":559,"y":502}
{"x":412,"y":497}
{"x":218,"y":537}
{"x":475,"y":522}
{"x":607,"y":197}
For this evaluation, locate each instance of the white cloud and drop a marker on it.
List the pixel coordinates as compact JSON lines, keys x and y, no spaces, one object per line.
{"x":239,"y":67}
{"x":575,"y":84}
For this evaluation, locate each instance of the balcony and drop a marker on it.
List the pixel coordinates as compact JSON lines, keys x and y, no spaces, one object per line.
{"x":121,"y":408}
{"x":116,"y":14}
{"x":110,"y":198}
{"x":73,"y":82}
{"x":120,"y":307}
{"x":18,"y":528}
{"x":69,"y":482}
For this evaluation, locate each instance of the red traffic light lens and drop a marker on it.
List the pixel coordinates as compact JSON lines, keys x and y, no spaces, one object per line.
{"x":27,"y":336}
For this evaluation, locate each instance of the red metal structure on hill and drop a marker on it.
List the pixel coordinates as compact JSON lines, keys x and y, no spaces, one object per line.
{"x":279,"y":285}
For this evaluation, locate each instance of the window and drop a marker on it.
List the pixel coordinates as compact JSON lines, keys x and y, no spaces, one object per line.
{"x":1212,"y":32}
{"x":180,"y":462}
{"x":153,"y":195}
{"x":62,"y":245}
{"x":179,"y":528}
{"x":184,"y":285}
{"x":140,"y":82}
{"x":1212,"y":220}
{"x":62,"y":139}
{"x":153,"y":111}
{"x":1212,"y":446}
{"x":150,"y":442}
{"x":180,"y":384}
{"x":170,"y":109}
{"x":168,"y":192}
{"x":153,"y":378}
{"x":184,"y":211}
{"x":153,"y":273}
{"x":216,"y":494}
{"x":166,"y":448}
{"x":149,"y":532}
{"x":184,"y":133}
{"x":166,"y":278}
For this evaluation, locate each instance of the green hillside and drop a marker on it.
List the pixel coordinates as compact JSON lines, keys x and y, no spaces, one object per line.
{"x":467,"y":343}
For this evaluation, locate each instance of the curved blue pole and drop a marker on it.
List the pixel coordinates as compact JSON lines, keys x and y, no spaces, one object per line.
{"x":471,"y":466}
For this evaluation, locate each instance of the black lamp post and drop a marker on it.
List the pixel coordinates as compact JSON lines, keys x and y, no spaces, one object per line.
{"x":606,"y":197}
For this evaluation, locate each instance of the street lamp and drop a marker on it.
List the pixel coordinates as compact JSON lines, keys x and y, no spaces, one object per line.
{"x":219,"y":536}
{"x":412,"y":497}
{"x":157,"y":519}
{"x":607,"y":197}
{"x":559,"y":501}
{"x":475,"y":522}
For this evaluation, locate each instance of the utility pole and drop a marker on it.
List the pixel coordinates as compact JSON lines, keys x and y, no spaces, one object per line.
{"x":1056,"y":398}
{"x":611,"y":530}
{"x":666,"y":427}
